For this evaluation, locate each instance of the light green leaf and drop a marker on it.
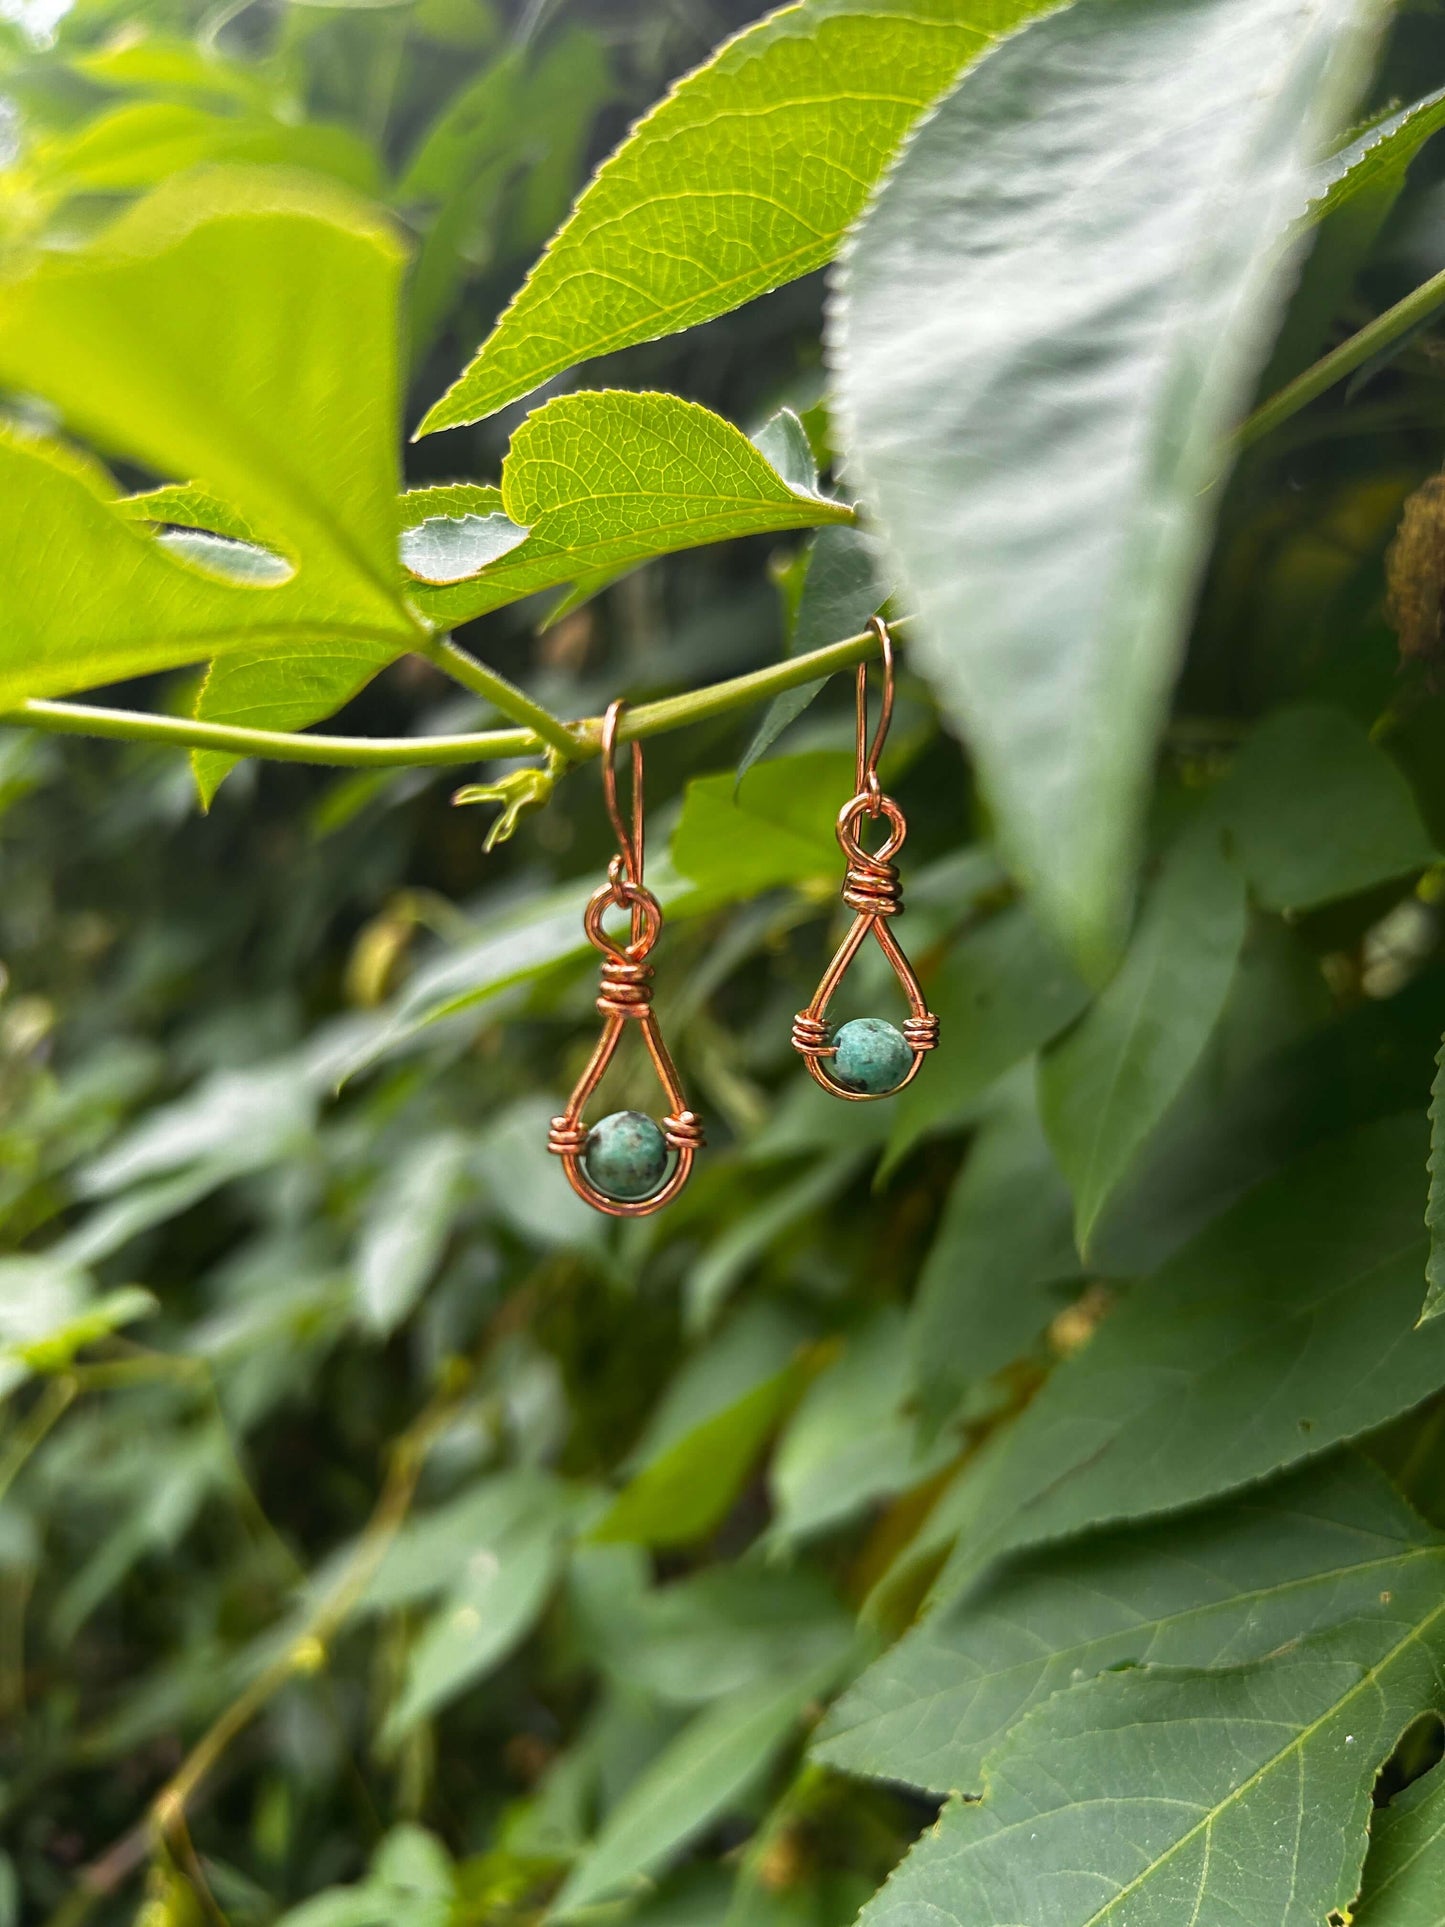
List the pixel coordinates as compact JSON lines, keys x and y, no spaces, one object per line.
{"x":1405,"y":1870}
{"x":406,"y":1229}
{"x":292,"y":691}
{"x":783,"y":442}
{"x":144,"y":143}
{"x":1036,"y":383}
{"x":48,"y":1313}
{"x":1149,"y":1798}
{"x":175,"y":341}
{"x":1104,"y":1087}
{"x":605,"y":481}
{"x":743,"y":178}
{"x":1283,"y":1329}
{"x":1218,"y":1589}
{"x":1316,"y":812}
{"x":712,"y":1764}
{"x":990,"y":1282}
{"x":776,"y":826}
{"x":483,"y":1619}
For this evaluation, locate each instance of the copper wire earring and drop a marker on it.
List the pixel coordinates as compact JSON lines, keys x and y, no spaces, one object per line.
{"x":620,"y":1165}
{"x":868,"y":1057}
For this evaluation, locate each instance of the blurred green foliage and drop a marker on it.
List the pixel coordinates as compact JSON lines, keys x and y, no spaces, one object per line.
{"x":384,"y":1538}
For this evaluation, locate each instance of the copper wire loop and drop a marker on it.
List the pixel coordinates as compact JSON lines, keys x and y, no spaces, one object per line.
{"x":625,"y":995}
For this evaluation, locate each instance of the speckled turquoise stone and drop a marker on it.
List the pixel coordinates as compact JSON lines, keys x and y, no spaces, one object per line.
{"x":626,"y":1156}
{"x":871,"y":1056}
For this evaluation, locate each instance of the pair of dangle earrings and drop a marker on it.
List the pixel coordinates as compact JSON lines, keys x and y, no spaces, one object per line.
{"x":629,"y":1166}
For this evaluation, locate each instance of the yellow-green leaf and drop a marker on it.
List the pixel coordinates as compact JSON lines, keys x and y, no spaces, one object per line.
{"x":744,"y":177}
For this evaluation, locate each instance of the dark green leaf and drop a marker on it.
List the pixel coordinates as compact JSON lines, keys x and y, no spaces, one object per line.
{"x":1104,"y":1086}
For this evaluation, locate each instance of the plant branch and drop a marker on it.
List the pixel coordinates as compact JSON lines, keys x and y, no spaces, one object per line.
{"x":1344,"y":360}
{"x":411,"y":752}
{"x":503,"y":695}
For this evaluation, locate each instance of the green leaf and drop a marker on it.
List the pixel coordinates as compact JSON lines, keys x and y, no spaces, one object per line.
{"x":776,"y":826}
{"x":706,"y":1437}
{"x":1219,"y":1589}
{"x":1036,"y":383}
{"x":145,"y":143}
{"x":482,"y":1620}
{"x":712,"y":1764}
{"x":410,"y":1885}
{"x":1405,"y":1870}
{"x":431,"y":1552}
{"x":174,"y":340}
{"x":756,"y":1231}
{"x":1104,"y":1086}
{"x":48,"y":1313}
{"x":1435,"y":1208}
{"x":1000,"y":994}
{"x":702,"y":1638}
{"x":743,"y":178}
{"x":850,"y":1442}
{"x":605,"y":481}
{"x":1316,"y":812}
{"x":989,"y":1284}
{"x":1355,"y":190}
{"x":1147,"y":1797}
{"x":1285,"y":1328}
{"x":406,"y":1229}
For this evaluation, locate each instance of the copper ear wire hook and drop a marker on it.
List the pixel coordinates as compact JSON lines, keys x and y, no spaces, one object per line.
{"x":629,"y":843}
{"x":872,"y":891}
{"x":625,"y":995}
{"x":867,"y":759}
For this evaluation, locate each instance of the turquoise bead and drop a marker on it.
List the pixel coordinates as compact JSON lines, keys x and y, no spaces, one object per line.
{"x":871,"y":1056}
{"x":626,"y":1156}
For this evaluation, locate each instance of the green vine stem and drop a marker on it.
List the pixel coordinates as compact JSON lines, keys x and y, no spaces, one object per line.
{"x":503,"y":695}
{"x":1376,"y":335}
{"x":579,"y":741}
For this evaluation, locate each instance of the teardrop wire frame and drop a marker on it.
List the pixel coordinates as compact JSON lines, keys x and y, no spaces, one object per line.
{"x":871,"y":888}
{"x":625,"y":996}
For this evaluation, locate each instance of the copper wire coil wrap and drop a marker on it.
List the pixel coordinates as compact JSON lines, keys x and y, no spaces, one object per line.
{"x":921,"y":1033}
{"x":683,"y":1131}
{"x":812,"y":1036}
{"x":873,"y":889}
{"x":567,"y":1136}
{"x":626,"y":987}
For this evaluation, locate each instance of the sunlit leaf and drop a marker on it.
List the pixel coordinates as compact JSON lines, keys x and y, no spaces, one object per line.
{"x":685,"y":222}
